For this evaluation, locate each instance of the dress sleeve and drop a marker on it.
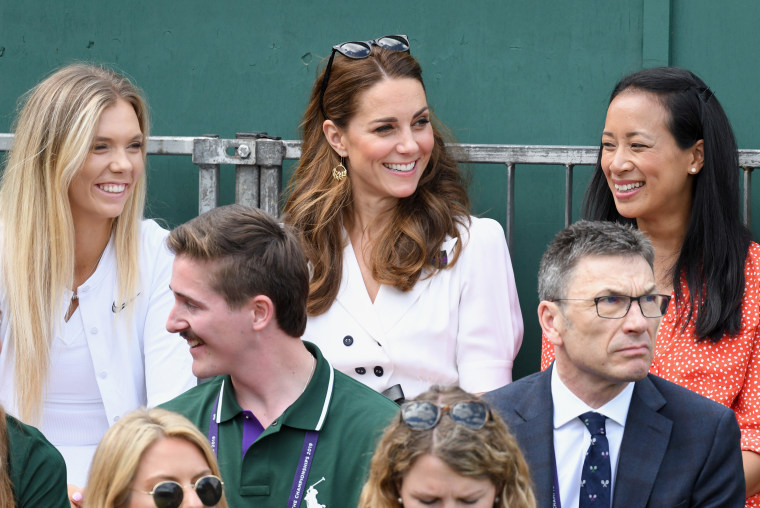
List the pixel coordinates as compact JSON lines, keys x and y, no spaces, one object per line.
{"x":547,"y":352}
{"x":490,"y":322}
{"x":747,"y":404}
{"x":168,"y":364}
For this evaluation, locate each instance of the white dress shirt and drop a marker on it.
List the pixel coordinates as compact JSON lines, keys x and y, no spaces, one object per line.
{"x":572,"y":439}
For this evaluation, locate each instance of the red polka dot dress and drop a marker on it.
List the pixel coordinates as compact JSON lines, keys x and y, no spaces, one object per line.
{"x":727,"y":372}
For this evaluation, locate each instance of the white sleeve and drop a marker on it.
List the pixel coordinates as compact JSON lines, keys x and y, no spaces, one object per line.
{"x":168,"y":364}
{"x":490,"y":322}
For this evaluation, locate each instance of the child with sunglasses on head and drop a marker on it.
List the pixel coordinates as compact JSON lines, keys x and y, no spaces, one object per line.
{"x":397,"y":261}
{"x":447,"y":448}
{"x":154,"y":458}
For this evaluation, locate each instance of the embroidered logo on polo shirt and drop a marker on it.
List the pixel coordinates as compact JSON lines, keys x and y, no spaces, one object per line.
{"x":311,"y":496}
{"x":115,"y":309}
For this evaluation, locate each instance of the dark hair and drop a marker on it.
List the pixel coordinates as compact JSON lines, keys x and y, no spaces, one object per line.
{"x":253,"y":255}
{"x":587,"y":238}
{"x":316,"y":205}
{"x":715,"y":247}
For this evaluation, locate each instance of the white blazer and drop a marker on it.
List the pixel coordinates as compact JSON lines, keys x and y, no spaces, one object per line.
{"x":461,"y":326}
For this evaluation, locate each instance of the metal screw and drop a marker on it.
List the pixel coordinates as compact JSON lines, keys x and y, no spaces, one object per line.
{"x":243,"y":151}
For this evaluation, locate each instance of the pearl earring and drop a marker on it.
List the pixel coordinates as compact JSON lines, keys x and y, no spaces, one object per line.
{"x":693,"y":171}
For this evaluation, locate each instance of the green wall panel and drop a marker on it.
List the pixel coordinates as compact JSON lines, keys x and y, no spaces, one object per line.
{"x":508,"y":72}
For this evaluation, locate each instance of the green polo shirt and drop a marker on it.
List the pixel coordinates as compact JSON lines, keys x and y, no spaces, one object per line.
{"x":349,"y":416}
{"x":37,"y":469}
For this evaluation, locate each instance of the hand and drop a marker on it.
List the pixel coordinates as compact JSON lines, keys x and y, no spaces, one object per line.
{"x":76,"y":495}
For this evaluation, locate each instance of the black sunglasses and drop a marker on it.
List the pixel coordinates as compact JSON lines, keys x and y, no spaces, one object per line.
{"x":169,"y":494}
{"x":358,"y":50}
{"x":426,"y":415}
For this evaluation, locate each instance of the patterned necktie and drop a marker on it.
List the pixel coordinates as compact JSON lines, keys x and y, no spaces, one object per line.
{"x":595,"y":477}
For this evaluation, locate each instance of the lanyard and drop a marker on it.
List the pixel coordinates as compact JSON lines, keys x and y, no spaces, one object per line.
{"x":304,"y":463}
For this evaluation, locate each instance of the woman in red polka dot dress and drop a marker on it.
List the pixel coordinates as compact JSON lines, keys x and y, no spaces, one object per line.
{"x":668,"y":164}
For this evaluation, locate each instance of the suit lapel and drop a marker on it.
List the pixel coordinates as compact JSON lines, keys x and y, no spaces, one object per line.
{"x":534,"y":430}
{"x":645,"y":441}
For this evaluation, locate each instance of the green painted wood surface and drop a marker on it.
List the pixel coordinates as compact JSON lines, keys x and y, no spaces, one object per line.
{"x":497,"y":71}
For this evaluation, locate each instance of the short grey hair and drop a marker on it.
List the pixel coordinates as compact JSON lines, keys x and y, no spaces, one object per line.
{"x":587,"y":238}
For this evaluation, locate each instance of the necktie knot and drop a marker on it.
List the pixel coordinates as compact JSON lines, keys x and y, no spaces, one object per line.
{"x":594,"y":422}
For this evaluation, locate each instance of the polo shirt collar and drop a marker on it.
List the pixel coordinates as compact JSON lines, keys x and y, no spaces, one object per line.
{"x":308,"y":412}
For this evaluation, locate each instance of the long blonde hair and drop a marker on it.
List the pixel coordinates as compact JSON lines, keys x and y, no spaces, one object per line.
{"x":490,"y":453}
{"x":54,"y":134}
{"x":118,"y":455}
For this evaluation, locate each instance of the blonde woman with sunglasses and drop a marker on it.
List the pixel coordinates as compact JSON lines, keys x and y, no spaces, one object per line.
{"x":154,"y":459}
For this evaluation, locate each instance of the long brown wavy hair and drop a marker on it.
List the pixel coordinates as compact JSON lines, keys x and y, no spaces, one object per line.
{"x":409,"y":243}
{"x":490,"y":453}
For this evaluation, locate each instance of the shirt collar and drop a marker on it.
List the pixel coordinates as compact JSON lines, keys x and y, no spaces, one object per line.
{"x":308,"y":412}
{"x":568,"y":406}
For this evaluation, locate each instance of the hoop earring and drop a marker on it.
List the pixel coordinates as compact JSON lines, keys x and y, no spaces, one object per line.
{"x":339,"y":172}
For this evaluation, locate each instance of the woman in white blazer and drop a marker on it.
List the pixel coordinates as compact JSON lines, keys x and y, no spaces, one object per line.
{"x":84,"y":288}
{"x":407,"y":289}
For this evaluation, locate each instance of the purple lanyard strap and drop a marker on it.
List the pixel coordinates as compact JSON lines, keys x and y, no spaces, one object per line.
{"x":304,"y":463}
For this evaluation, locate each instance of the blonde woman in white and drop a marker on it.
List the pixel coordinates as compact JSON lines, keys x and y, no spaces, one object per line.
{"x":84,"y":289}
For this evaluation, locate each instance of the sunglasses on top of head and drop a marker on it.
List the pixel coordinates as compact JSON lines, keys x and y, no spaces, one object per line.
{"x":471,"y":414}
{"x":358,"y":50}
{"x":169,"y":494}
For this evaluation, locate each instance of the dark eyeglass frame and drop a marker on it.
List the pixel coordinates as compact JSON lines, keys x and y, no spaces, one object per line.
{"x":414,"y":413}
{"x":663,"y":306}
{"x":363,"y":49}
{"x":177,"y":492}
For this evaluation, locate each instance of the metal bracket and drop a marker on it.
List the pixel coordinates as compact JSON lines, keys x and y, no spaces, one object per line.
{"x":217,"y":151}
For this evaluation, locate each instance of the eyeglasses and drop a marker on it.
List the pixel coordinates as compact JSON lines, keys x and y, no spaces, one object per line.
{"x":169,"y":494}
{"x":358,"y":50}
{"x":426,"y":415}
{"x":617,"y":306}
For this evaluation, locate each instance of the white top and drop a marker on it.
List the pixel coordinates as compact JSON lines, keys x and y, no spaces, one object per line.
{"x":572,"y":439}
{"x":136,"y":363}
{"x":462,"y":326}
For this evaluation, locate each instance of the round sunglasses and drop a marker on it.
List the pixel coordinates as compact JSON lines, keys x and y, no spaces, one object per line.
{"x":358,"y":50}
{"x":169,"y":494}
{"x":471,"y":414}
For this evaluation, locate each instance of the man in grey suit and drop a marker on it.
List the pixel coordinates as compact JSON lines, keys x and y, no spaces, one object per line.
{"x":596,"y":428}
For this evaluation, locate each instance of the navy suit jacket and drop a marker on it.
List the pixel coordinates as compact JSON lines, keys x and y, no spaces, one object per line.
{"x":679,"y":449}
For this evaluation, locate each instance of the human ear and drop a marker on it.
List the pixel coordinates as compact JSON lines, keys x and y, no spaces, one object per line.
{"x":334,"y":136}
{"x":551,"y":321}
{"x":697,"y":157}
{"x":261,"y":310}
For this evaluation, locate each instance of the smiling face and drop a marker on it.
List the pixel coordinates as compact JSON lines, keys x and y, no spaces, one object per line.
{"x":217,"y":334}
{"x":596,"y":355}
{"x":388,"y":142}
{"x":649,"y":175}
{"x":431,"y":482}
{"x":169,"y":459}
{"x":112,"y":168}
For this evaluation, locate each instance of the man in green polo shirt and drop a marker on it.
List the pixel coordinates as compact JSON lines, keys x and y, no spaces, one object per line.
{"x":287,"y":428}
